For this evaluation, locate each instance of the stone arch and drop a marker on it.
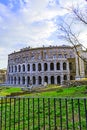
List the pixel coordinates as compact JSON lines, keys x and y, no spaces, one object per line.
{"x":39,"y":80}
{"x":45,"y":67}
{"x":64,"y":66}
{"x":33,"y":67}
{"x":19,"y":80}
{"x":65,"y":77}
{"x":39,"y":67}
{"x":34,"y":80}
{"x":71,"y":77}
{"x":70,"y":66}
{"x":51,"y":66}
{"x":23,"y":80}
{"x":58,"y":66}
{"x":15,"y":68}
{"x":28,"y":80}
{"x":28,"y":67}
{"x":46,"y":79}
{"x":19,"y":68}
{"x":11,"y":79}
{"x":15,"y":80}
{"x":23,"y":67}
{"x":52,"y":79}
{"x":58,"y":79}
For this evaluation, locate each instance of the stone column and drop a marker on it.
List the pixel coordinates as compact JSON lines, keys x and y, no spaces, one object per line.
{"x":77,"y":67}
{"x":55,"y":79}
{"x":81,"y":63}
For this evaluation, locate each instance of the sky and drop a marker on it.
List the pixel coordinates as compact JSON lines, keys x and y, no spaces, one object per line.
{"x":33,"y":23}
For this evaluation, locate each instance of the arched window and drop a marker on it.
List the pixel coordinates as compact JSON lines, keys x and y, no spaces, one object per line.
{"x":45,"y":67}
{"x":52,"y":79}
{"x":51,"y":66}
{"x":70,"y":66}
{"x":46,"y":79}
{"x":19,"y":68}
{"x":18,"y":80}
{"x":64,"y":66}
{"x":71,"y":77}
{"x":65,"y":77}
{"x":11,"y":80}
{"x":23,"y":80}
{"x":9,"y":69}
{"x":39,"y":67}
{"x":58,"y":66}
{"x":28,"y":67}
{"x":28,"y":80}
{"x":39,"y":80}
{"x":23,"y":68}
{"x":58,"y":79}
{"x":12,"y":68}
{"x":33,"y":67}
{"x":15,"y":68}
{"x":14,"y":80}
{"x":34,"y":80}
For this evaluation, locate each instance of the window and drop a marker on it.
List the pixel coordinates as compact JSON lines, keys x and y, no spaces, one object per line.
{"x":33,"y":67}
{"x":45,"y":67}
{"x":64,"y":66}
{"x":65,"y":77}
{"x":28,"y":67}
{"x":70,"y":66}
{"x":51,"y":66}
{"x":19,"y":68}
{"x":39,"y":67}
{"x":23,"y":68}
{"x":58,"y":66}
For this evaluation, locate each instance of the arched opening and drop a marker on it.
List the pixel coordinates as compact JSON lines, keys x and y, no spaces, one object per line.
{"x":23,"y":80}
{"x":58,"y":79}
{"x":65,"y":77}
{"x":14,"y":80}
{"x":19,"y":68}
{"x":28,"y":80}
{"x":46,"y":79}
{"x":39,"y":80}
{"x":45,"y":67}
{"x":15,"y":68}
{"x":52,"y":79}
{"x":64,"y":66}
{"x":9,"y":69}
{"x":70,"y":66}
{"x":34,"y":80}
{"x":11,"y":80}
{"x":23,"y":68}
{"x":18,"y":80}
{"x":39,"y":67}
{"x":12,"y":68}
{"x":71,"y":77}
{"x":51,"y":66}
{"x":58,"y":66}
{"x":28,"y":67}
{"x":33,"y":67}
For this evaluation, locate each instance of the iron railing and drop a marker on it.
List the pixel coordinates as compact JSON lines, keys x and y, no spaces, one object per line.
{"x":25,"y":113}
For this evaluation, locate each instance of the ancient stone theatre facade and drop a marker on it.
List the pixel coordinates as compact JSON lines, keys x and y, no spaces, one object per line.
{"x":53,"y":65}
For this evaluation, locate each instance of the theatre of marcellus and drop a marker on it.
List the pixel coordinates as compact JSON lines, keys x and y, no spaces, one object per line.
{"x":50,"y":65}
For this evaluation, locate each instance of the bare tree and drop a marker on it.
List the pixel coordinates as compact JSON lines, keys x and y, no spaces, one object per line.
{"x":69,"y":34}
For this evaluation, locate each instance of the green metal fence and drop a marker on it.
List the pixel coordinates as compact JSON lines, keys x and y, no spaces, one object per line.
{"x":25,"y":113}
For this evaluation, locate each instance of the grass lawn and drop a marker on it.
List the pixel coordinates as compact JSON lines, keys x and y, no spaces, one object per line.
{"x":50,"y":91}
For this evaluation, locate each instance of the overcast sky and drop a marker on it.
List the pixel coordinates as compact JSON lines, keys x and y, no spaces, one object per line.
{"x":32,"y":23}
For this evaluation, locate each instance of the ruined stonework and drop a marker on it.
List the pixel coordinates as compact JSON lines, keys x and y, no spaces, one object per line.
{"x":51,"y":65}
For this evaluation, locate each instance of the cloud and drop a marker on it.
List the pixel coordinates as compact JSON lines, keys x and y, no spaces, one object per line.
{"x":29,"y":23}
